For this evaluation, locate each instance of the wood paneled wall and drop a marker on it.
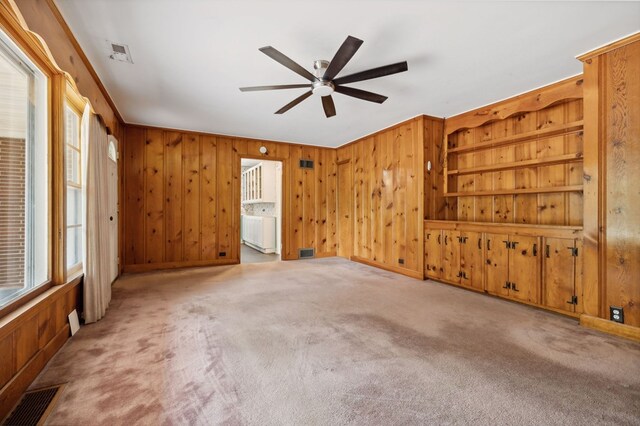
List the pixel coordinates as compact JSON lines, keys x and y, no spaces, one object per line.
{"x":612,"y":174}
{"x":539,"y":149}
{"x":388,"y":194}
{"x":182,"y":198}
{"x":30,"y":336}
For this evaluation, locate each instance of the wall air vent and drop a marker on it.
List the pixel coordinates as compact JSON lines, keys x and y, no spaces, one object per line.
{"x":119,"y":52}
{"x":306,"y":164}
{"x":306,"y":253}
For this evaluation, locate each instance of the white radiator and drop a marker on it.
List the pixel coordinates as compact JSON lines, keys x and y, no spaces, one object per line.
{"x":259,"y":232}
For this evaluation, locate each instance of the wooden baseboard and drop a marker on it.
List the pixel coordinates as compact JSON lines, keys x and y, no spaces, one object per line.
{"x":610,"y":327}
{"x":147,"y":267}
{"x":11,"y":393}
{"x":404,"y":271}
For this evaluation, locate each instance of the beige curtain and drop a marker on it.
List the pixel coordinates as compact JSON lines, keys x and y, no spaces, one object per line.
{"x":97,"y":283}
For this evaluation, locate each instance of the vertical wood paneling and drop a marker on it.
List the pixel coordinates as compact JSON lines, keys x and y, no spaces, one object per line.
{"x":154,"y":197}
{"x":224,"y":175}
{"x":296,"y":213}
{"x":134,"y":196}
{"x":308,"y":198}
{"x":434,"y":201}
{"x":621,"y":183}
{"x":345,"y":209}
{"x":332,"y":199}
{"x":173,"y":196}
{"x":191,"y":196}
{"x":208,"y":198}
{"x":389,"y":191}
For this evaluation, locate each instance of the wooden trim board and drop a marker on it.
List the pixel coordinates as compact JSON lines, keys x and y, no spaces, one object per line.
{"x":610,"y":327}
{"x":534,"y":100}
{"x":507,"y":228}
{"x":408,"y":272}
{"x":609,"y":47}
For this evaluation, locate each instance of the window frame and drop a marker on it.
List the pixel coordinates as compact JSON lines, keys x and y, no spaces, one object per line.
{"x":40,"y":93}
{"x":74,"y":102}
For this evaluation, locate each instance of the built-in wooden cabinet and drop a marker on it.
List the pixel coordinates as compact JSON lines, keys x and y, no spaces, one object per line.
{"x":513,"y":266}
{"x":538,"y":265}
{"x":455,"y":256}
{"x":259,"y":184}
{"x":433,"y":253}
{"x":562,"y":272}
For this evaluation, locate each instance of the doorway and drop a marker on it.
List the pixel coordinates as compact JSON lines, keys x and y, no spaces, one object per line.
{"x":112,"y":170}
{"x":260,"y":210}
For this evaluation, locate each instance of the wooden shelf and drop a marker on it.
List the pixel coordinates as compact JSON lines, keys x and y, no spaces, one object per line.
{"x":544,"y":161}
{"x":557,"y":231}
{"x":570,"y":188}
{"x":545,"y":133}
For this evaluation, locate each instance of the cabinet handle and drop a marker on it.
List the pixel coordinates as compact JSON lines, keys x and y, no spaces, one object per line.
{"x":446,"y":237}
{"x":507,"y":243}
{"x":488,"y":244}
{"x":507,"y":285}
{"x":513,"y":287}
{"x":547,"y":251}
{"x":439,"y":237}
{"x":479,"y":243}
{"x":535,"y":249}
{"x":514,"y":244}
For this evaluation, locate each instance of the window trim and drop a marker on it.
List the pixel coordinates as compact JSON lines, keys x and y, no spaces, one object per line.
{"x":32,"y":62}
{"x":76,"y":104}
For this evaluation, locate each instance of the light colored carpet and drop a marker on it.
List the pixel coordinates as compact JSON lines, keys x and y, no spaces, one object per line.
{"x":329,"y":341}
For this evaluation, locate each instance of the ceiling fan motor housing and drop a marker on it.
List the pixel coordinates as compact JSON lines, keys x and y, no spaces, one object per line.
{"x":321,"y":87}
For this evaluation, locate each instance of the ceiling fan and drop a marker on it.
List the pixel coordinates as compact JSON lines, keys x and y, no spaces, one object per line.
{"x":323,"y":81}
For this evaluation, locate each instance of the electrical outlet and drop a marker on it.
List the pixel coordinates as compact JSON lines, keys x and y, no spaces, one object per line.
{"x":222,"y":254}
{"x":616,"y":314}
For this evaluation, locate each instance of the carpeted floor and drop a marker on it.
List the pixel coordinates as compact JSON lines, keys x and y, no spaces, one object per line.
{"x":329,"y":341}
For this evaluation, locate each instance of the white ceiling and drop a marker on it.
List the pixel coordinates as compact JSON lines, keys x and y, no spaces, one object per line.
{"x":191,"y":56}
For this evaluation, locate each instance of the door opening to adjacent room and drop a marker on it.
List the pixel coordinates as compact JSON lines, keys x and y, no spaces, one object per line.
{"x":260,"y":211}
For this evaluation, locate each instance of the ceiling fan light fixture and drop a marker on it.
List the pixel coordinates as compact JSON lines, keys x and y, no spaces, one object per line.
{"x":322,"y":88}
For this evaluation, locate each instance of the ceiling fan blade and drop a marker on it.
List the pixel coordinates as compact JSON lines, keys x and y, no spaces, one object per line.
{"x":373,"y":73}
{"x":361,"y":94}
{"x":294,"y":102}
{"x":342,"y":56}
{"x":283,"y":86}
{"x":287,"y":62}
{"x":329,"y":106}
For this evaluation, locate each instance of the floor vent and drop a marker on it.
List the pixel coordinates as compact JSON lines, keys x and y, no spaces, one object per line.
{"x":34,"y":407}
{"x":306,"y":253}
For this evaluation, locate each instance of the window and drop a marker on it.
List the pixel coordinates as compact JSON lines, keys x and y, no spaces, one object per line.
{"x":73,"y":164}
{"x":24,"y":174}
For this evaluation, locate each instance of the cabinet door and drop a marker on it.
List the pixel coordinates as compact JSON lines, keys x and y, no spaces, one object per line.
{"x":497,"y":268}
{"x":433,"y":253}
{"x":559,"y":273}
{"x":523,"y":268}
{"x":451,"y":256}
{"x":471,"y":266}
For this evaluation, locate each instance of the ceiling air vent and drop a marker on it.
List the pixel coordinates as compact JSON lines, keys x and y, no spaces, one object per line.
{"x":120,"y":52}
{"x":306,"y":253}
